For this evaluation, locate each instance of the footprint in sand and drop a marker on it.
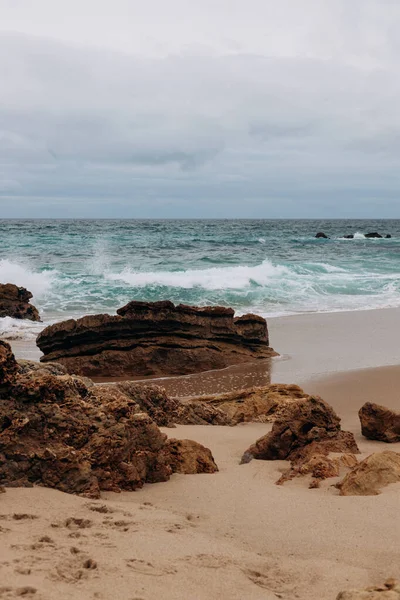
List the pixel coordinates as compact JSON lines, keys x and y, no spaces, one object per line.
{"x":74,"y":569}
{"x":208,"y":561}
{"x":147,"y":568}
{"x":24,"y":592}
{"x":99,"y":508}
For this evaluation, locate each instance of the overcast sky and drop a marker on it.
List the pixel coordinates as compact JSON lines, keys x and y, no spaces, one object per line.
{"x":218,"y":108}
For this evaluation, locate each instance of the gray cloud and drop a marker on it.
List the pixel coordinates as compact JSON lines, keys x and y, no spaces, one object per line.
{"x":226,"y":127}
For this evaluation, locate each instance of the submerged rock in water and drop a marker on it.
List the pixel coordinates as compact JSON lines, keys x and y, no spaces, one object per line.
{"x":350,"y":236}
{"x":379,"y":423}
{"x":371,"y":475}
{"x":57,"y":432}
{"x":14,"y":302}
{"x":388,"y":591}
{"x":322,"y":235}
{"x":155,"y":338}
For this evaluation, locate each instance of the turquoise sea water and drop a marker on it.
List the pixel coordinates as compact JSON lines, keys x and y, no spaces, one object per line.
{"x":271,"y":267}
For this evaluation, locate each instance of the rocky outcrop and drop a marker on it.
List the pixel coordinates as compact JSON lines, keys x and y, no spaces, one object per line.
{"x":189,"y":457}
{"x":373,"y":234}
{"x":155,"y":338}
{"x":350,"y":236}
{"x":388,"y":591}
{"x":307,"y":421}
{"x":57,"y":432}
{"x":371,"y":475}
{"x":14,"y":302}
{"x":379,"y":423}
{"x":318,"y":463}
{"x":322,"y":235}
{"x":261,"y":404}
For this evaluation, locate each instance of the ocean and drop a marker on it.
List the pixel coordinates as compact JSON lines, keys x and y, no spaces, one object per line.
{"x":270,"y":267}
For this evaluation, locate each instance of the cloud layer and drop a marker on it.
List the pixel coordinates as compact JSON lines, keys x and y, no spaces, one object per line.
{"x":302,"y":121}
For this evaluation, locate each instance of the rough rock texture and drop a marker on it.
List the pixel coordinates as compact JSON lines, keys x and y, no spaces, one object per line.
{"x":26,"y":366}
{"x":155,"y":338}
{"x":388,"y":591}
{"x":319,"y":465}
{"x":379,"y":423}
{"x":14,"y":302}
{"x":262,"y":404}
{"x":57,"y":432}
{"x":306,"y":421}
{"x":186,"y":456}
{"x":371,"y":475}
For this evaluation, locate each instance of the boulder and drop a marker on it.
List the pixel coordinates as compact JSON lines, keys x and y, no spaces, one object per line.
{"x":260,"y":403}
{"x":388,"y":236}
{"x":371,"y":475}
{"x":322,"y":235}
{"x":57,"y":432}
{"x":350,"y":236}
{"x":379,"y":423}
{"x":319,"y":464}
{"x":374,"y":234}
{"x":189,"y":457}
{"x":388,"y":591}
{"x":155,"y":339}
{"x":306,"y":421}
{"x":14,"y":302}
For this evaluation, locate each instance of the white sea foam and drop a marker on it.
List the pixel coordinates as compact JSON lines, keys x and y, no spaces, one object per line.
{"x":19,"y":329}
{"x":228,"y":278}
{"x":39,"y":283}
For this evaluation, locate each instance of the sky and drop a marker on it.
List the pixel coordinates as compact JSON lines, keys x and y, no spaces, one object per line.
{"x":218,"y":108}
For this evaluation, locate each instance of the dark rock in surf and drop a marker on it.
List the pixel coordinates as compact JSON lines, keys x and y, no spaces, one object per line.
{"x":388,"y":236}
{"x":322,"y":235}
{"x":350,"y":236}
{"x":155,"y":339}
{"x":374,"y":234}
{"x":14,"y":302}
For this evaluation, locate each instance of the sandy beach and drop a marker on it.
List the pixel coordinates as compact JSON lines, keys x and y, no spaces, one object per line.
{"x":232,"y":534}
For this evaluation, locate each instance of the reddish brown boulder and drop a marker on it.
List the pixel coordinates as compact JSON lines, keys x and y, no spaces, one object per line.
{"x":306,"y":420}
{"x":14,"y":302}
{"x":155,"y":338}
{"x":371,"y":475}
{"x":379,"y":423}
{"x":57,"y":432}
{"x":186,"y":456}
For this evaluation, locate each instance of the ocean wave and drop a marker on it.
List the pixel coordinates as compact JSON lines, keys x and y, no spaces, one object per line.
{"x":37,"y":282}
{"x":19,"y":329}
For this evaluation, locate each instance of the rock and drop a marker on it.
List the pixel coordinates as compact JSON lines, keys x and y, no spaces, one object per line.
{"x":186,"y":456}
{"x":57,"y":432}
{"x":321,"y":234}
{"x":371,"y":475}
{"x":350,"y":236}
{"x":374,"y":234}
{"x":261,"y":404}
{"x":388,"y":591}
{"x":14,"y":302}
{"x":388,"y":236}
{"x":25,"y":366}
{"x":155,"y":338}
{"x":154,"y":401}
{"x":307,"y":420}
{"x":379,"y":423}
{"x":319,"y":465}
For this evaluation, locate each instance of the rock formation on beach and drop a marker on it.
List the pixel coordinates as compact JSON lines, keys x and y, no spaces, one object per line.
{"x":14,"y":302}
{"x":57,"y":432}
{"x":306,"y":435}
{"x":371,"y":475}
{"x":388,"y":591}
{"x":155,"y":339}
{"x":379,"y":423}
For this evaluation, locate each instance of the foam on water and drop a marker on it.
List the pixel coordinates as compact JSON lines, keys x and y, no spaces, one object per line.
{"x":38,"y":283}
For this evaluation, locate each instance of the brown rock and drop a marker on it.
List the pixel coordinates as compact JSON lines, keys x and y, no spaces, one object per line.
{"x":306,"y":420}
{"x":371,"y":475}
{"x":154,"y":401}
{"x":379,"y":423}
{"x":57,"y":432}
{"x":14,"y":302}
{"x":319,"y":466}
{"x":186,"y":456}
{"x":155,"y":338}
{"x":388,"y":591}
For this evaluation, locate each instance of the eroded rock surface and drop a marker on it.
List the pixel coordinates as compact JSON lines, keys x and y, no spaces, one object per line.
{"x":388,"y":591}
{"x":14,"y":302}
{"x":58,"y":432}
{"x":371,"y":475}
{"x":155,"y":339}
{"x":189,"y":457}
{"x":306,"y":421}
{"x":379,"y":423}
